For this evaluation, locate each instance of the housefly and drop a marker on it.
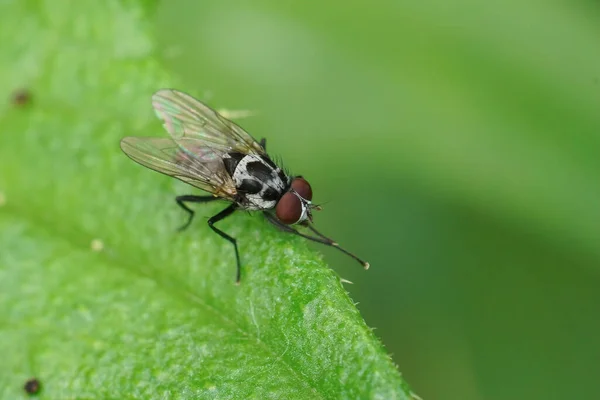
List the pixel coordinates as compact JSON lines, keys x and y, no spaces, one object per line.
{"x":210,"y":152}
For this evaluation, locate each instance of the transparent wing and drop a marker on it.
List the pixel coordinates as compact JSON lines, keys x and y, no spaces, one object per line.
{"x":192,"y":123}
{"x":200,"y":167}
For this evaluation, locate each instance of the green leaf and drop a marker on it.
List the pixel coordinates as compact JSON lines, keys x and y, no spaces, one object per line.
{"x":101,"y":298}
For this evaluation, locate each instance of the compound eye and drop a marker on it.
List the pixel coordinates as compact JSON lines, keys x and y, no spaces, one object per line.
{"x":289,"y":209}
{"x":303,"y":188}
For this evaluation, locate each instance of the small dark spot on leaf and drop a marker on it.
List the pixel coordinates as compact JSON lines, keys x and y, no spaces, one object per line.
{"x":21,"y":97}
{"x":32,"y":386}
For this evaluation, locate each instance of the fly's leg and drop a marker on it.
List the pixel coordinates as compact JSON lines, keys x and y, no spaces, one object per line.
{"x":263,"y":143}
{"x":320,"y":239}
{"x":190,"y":198}
{"x":286,"y":228}
{"x":211,"y":222}
{"x":316,"y":232}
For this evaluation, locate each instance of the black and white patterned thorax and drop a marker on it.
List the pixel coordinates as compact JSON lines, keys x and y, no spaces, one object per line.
{"x":260,"y":183}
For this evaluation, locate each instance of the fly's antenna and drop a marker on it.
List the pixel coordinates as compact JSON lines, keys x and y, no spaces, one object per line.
{"x":320,"y":206}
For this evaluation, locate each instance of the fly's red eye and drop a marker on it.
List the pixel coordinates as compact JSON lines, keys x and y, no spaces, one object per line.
{"x":303,"y":188}
{"x":289,"y":209}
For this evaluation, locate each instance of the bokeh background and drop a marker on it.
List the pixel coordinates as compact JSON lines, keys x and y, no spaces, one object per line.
{"x":456,"y":146}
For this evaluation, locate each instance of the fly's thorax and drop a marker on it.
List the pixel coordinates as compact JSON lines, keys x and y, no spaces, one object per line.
{"x":260,"y":182}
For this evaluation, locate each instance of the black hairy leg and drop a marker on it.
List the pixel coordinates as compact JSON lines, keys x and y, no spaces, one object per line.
{"x":190,"y":198}
{"x":319,"y":239}
{"x":216,"y":218}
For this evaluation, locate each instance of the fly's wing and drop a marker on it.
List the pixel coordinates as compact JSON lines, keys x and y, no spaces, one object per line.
{"x":194,"y":124}
{"x":199,"y":166}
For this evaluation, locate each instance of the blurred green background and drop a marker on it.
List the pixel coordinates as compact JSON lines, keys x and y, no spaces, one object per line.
{"x":456,"y":147}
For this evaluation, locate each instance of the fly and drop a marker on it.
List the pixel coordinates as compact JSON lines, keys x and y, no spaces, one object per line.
{"x":210,"y":152}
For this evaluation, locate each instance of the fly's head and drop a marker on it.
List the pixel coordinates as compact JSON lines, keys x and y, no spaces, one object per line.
{"x":295,"y":206}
